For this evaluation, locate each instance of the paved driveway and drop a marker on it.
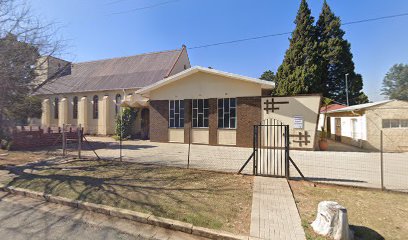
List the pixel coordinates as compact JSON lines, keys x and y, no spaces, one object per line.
{"x":349,"y":168}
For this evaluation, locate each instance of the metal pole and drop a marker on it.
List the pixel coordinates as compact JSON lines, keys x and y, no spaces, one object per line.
{"x":287,"y":152}
{"x":382,"y":160}
{"x":347,"y":97}
{"x":189,"y":146}
{"x":63,"y":140}
{"x":79,"y":132}
{"x":120,"y":135}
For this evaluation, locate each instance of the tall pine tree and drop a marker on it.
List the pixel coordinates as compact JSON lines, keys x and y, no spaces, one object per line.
{"x":337,"y":60}
{"x":300,"y":71}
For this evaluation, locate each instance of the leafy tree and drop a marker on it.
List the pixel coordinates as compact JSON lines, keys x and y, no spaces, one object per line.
{"x":268,"y":76}
{"x":300,"y":71}
{"x":23,"y":38}
{"x":395,"y":83}
{"x":124,"y":123}
{"x":337,"y":60}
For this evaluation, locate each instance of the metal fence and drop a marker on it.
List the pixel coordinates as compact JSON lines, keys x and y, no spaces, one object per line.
{"x":342,"y":164}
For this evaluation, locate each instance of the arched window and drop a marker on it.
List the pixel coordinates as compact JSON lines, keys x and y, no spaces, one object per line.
{"x":56,"y":106}
{"x":95,"y":107}
{"x":75,"y":108}
{"x":118,"y":100}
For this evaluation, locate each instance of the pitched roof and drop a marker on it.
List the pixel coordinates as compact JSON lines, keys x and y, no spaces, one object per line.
{"x":331,"y":107}
{"x":111,"y":74}
{"x":264,"y":84}
{"x":360,"y":106}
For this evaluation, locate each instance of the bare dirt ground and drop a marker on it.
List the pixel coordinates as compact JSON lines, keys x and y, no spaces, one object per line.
{"x":373,"y":214}
{"x":203,"y":198}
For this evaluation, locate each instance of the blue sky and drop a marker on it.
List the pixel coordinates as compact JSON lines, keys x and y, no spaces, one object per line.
{"x":94,"y":32}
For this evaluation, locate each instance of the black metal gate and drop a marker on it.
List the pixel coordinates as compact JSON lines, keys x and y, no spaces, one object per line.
{"x":271,"y":149}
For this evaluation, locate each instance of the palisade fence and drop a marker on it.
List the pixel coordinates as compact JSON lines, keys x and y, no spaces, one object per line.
{"x":342,"y":164}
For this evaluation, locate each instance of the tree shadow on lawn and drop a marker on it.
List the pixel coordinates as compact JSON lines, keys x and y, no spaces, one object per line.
{"x":181,"y":195}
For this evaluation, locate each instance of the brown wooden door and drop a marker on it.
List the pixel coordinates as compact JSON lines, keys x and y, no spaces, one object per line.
{"x":145,"y":123}
{"x":338,"y":129}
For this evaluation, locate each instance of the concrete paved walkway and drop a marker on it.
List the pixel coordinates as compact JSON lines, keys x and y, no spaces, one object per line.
{"x":274,"y":213}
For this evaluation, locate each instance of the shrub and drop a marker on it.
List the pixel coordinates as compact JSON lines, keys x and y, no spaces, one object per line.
{"x":128,"y":117}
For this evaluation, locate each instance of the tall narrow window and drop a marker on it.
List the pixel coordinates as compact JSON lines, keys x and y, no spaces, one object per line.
{"x":176,"y":113}
{"x":200,"y":112}
{"x":118,"y":100}
{"x":95,"y":107}
{"x":56,"y":108}
{"x":75,"y":108}
{"x":227,"y":113}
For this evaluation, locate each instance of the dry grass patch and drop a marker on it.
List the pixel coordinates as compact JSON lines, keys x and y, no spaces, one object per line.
{"x":373,"y":214}
{"x":203,"y":198}
{"x":13,"y":158}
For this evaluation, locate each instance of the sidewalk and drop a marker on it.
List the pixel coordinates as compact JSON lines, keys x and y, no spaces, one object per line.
{"x":274,"y":213}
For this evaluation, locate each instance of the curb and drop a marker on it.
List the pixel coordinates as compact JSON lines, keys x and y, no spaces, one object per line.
{"x":126,"y":214}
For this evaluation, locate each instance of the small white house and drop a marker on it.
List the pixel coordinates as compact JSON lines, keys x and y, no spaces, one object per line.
{"x":361,"y":125}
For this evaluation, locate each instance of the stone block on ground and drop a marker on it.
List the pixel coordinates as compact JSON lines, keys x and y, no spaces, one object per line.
{"x":331,"y":221}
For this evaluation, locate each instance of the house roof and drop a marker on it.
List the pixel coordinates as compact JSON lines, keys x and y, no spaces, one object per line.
{"x":264,"y":84}
{"x":112,"y":74}
{"x":331,"y":107}
{"x":360,"y":106}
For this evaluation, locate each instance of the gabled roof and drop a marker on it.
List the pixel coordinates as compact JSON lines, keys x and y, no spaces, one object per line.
{"x":131,"y":72}
{"x":264,"y":84}
{"x":360,"y":106}
{"x":331,"y":107}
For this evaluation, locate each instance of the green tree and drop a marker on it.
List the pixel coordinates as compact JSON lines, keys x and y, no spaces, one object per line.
{"x":395,"y":83}
{"x":268,"y":76}
{"x":300,"y":71}
{"x":124,"y":123}
{"x":337,"y":60}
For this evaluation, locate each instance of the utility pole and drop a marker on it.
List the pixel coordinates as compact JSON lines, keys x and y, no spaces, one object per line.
{"x":347,"y":98}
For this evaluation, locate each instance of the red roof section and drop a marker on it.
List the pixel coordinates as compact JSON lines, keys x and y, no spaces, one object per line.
{"x":331,"y":107}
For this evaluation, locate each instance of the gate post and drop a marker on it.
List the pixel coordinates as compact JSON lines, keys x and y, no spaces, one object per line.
{"x":254,"y":149}
{"x":287,"y":152}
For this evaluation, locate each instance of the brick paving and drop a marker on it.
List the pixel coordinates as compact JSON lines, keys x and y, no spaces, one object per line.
{"x":274,"y":214}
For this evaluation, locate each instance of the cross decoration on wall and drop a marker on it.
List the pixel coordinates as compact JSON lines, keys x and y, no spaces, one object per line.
{"x":271,"y":105}
{"x":301,"y":138}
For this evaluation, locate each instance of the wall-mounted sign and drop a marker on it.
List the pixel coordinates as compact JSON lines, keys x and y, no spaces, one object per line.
{"x":298,"y":122}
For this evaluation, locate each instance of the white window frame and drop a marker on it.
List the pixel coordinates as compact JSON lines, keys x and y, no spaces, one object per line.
{"x":224,"y":113}
{"x":180,"y":112}
{"x":195,"y":119}
{"x":389,"y":126}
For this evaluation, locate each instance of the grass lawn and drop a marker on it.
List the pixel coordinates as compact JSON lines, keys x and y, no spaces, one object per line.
{"x":208,"y":199}
{"x":373,"y":214}
{"x":12,"y":158}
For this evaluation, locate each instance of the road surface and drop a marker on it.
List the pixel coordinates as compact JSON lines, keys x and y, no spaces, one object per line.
{"x":27,"y":218}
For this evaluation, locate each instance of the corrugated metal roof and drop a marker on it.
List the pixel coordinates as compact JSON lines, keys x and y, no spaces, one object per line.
{"x":117,"y":73}
{"x":331,"y":107}
{"x":360,"y":106}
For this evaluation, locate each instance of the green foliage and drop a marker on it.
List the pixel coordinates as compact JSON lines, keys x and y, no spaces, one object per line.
{"x":268,"y":76}
{"x":395,"y":83}
{"x":337,"y":60}
{"x":124,"y":122}
{"x":30,"y":107}
{"x":17,"y":74}
{"x":300,"y":71}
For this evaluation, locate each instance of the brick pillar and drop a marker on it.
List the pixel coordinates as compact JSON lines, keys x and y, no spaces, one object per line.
{"x":249,"y":113}
{"x":159,"y":120}
{"x":187,"y":119}
{"x":213,"y":121}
